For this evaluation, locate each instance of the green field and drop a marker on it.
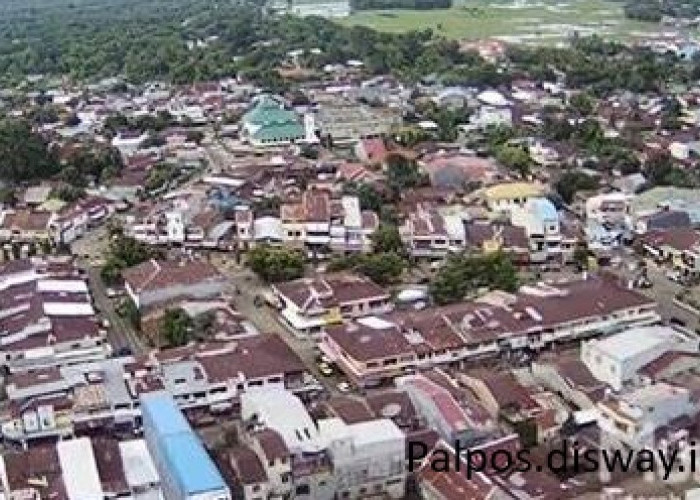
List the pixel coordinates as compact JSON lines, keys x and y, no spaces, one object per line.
{"x":535,"y":22}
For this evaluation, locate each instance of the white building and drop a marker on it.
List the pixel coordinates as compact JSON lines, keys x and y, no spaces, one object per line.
{"x":633,"y":418}
{"x":616,"y":360}
{"x":80,"y":476}
{"x":612,"y":208}
{"x":329,"y":457}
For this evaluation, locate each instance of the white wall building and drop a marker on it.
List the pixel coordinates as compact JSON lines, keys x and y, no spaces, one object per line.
{"x":617,"y":359}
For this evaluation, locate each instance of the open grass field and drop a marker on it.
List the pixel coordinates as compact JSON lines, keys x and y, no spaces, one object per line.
{"x":545,"y":21}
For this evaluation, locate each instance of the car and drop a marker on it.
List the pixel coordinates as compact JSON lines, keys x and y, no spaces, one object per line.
{"x":325,"y":369}
{"x":124,"y":351}
{"x":673,"y":276}
{"x":343,"y":387}
{"x":676,"y":321}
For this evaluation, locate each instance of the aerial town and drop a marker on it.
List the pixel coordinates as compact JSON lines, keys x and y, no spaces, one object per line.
{"x":225,"y":289}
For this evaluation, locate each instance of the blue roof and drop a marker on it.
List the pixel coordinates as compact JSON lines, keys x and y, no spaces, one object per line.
{"x":191,"y":465}
{"x":188,"y":462}
{"x":163,"y":411}
{"x":543,"y":209}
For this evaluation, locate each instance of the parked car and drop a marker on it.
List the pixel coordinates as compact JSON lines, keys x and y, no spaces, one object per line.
{"x":344,"y":387}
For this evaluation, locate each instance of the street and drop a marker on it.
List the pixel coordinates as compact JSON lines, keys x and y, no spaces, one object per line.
{"x":248,"y":285}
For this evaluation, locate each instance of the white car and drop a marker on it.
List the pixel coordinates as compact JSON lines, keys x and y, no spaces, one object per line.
{"x":344,"y":387}
{"x":325,"y":369}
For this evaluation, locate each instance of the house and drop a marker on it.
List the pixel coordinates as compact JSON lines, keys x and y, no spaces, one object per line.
{"x":249,"y":472}
{"x":609,"y":208}
{"x":310,"y":304}
{"x":371,"y":150}
{"x":128,"y":142}
{"x":329,"y":9}
{"x":541,"y":222}
{"x":633,"y":418}
{"x":457,"y":170}
{"x":159,"y":281}
{"x":571,"y":378}
{"x":270,"y":124}
{"x":320,"y":223}
{"x":679,"y":247}
{"x":346,"y":122}
{"x":428,"y":233}
{"x":440,"y":411}
{"x":501,"y":393}
{"x":26,"y":226}
{"x":504,"y":197}
{"x":372,"y":349}
{"x":47,"y":319}
{"x":617,"y":359}
{"x":275,"y":459}
{"x":330,"y":457}
{"x":662,"y":220}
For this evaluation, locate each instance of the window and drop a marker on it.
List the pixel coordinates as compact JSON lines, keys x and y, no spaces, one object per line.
{"x":256,"y":488}
{"x":303,"y":489}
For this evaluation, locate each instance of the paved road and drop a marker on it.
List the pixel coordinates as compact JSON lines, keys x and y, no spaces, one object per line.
{"x":121,"y":333}
{"x":266,"y":319}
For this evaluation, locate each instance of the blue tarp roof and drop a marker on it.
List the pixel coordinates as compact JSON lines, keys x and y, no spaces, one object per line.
{"x":187,"y":460}
{"x":191,"y":465}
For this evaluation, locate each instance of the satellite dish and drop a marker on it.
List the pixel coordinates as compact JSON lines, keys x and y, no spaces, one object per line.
{"x":391,"y":410}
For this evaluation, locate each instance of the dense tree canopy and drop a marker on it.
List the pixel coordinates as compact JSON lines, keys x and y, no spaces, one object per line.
{"x":463,"y":274}
{"x":24,"y":154}
{"x":276,"y":264}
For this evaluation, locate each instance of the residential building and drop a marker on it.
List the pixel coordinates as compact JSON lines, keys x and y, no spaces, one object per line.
{"x":310,"y":304}
{"x":47,"y":317}
{"x":186,"y":470}
{"x":541,"y":222}
{"x":366,"y":458}
{"x":617,"y":359}
{"x":159,"y":281}
{"x":441,"y":412}
{"x":26,"y":226}
{"x":375,"y":348}
{"x":321,"y":223}
{"x":428,"y":233}
{"x":504,"y":197}
{"x":633,"y":418}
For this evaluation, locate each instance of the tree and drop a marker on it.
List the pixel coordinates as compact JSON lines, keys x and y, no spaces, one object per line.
{"x":582,"y":103}
{"x":514,"y":158}
{"x":195,"y":136}
{"x":402,"y":173}
{"x":387,"y":239}
{"x":24,"y":154}
{"x":125,"y":251}
{"x":571,"y":182}
{"x":465,"y":273}
{"x":580,"y":257}
{"x":382,"y":268}
{"x":176,"y":327}
{"x":274,"y":264}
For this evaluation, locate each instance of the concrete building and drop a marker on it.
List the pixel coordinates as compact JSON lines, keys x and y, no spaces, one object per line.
{"x":504,"y":197}
{"x":308,"y":305}
{"x":617,"y":359}
{"x":541,"y":222}
{"x":186,"y":470}
{"x":158,"y":281}
{"x":331,"y":459}
{"x":376,"y":348}
{"x":634,"y":417}
{"x":270,"y":124}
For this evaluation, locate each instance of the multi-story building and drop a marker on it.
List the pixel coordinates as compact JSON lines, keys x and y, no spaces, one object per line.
{"x":541,"y":221}
{"x":310,"y":304}
{"x":617,"y":359}
{"x":375,"y":348}
{"x":428,"y":233}
{"x":502,"y":198}
{"x":46,"y":317}
{"x":330,"y":458}
{"x":185,"y":468}
{"x":158,"y":281}
{"x":320,"y":223}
